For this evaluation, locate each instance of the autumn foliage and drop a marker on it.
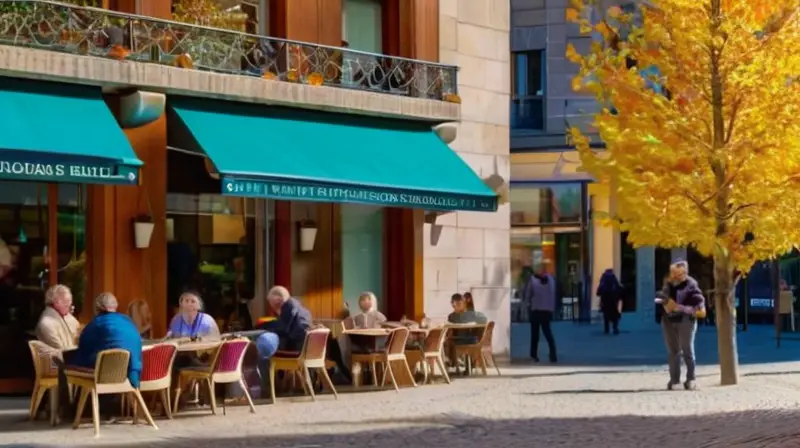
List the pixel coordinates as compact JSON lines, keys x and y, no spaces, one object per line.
{"x":701,"y":121}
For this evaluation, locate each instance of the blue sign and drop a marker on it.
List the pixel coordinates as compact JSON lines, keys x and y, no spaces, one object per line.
{"x":79,"y":173}
{"x":362,"y":195}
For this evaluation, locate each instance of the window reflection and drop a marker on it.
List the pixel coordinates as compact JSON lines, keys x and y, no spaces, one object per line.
{"x":545,"y":204}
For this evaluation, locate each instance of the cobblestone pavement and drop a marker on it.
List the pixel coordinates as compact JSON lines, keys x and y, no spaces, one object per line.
{"x":529,"y":406}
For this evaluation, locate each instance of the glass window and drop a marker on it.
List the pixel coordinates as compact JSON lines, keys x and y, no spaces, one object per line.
{"x":361,"y":31}
{"x":249,"y":16}
{"x":215,"y":244}
{"x":545,"y":204}
{"x":362,"y":253}
{"x":527,"y":103}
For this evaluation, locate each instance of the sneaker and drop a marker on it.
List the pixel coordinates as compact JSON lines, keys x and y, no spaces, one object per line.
{"x":689,"y":385}
{"x":553,"y":359}
{"x":671,"y":385}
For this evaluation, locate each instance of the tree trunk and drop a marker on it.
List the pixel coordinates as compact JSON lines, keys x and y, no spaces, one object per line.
{"x":724,"y":287}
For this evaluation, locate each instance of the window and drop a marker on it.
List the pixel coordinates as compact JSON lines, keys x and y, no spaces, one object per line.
{"x":527,"y":103}
{"x":248,"y":16}
{"x":545,"y":204}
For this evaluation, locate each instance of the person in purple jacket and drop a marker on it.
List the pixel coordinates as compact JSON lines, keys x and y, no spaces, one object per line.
{"x":682,"y":300}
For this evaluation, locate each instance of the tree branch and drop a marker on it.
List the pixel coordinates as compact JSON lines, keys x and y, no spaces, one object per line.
{"x":733,"y":212}
{"x":702,"y":207}
{"x":732,"y":120}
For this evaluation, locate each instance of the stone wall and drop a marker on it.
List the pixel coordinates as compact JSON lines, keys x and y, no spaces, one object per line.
{"x":469,"y":251}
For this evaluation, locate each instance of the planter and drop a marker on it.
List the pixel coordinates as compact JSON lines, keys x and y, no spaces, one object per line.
{"x":308,"y":236}
{"x":142,"y":232}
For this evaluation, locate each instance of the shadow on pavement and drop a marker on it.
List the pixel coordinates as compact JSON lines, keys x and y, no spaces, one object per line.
{"x":765,"y":429}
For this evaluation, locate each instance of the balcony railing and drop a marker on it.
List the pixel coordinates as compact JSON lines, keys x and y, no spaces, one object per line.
{"x":97,"y":32}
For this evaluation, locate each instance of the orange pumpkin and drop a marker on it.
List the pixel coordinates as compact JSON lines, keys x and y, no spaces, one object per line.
{"x":292,"y":75}
{"x":184,"y":61}
{"x":270,"y":75}
{"x":118,"y":52}
{"x":315,"y":79}
{"x":452,"y":98}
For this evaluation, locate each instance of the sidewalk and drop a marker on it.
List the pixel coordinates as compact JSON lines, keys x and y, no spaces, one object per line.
{"x":587,"y":345}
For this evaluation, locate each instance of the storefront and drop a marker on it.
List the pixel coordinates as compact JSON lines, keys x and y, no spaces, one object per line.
{"x":549,"y":229}
{"x":47,"y":161}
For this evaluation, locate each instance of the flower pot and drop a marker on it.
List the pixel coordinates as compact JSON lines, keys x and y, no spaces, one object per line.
{"x":308,"y":235}
{"x":142,"y":231}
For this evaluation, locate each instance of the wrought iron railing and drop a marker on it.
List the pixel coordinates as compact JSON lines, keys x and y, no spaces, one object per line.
{"x":98,"y":32}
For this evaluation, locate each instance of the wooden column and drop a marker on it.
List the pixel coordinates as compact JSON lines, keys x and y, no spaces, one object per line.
{"x":52,"y":233}
{"x":410,"y":29}
{"x":313,"y":21}
{"x":114,"y":263}
{"x":161,"y":9}
{"x":283,"y":244}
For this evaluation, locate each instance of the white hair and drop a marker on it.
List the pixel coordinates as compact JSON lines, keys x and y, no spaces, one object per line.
{"x":279,"y":291}
{"x":371,"y":296}
{"x":105,"y":302}
{"x":54,"y":292}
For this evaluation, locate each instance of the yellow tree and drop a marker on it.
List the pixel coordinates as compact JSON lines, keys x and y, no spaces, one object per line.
{"x":701,"y":122}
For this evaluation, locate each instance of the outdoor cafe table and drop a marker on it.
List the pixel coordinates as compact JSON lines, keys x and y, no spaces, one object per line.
{"x":400,"y":375}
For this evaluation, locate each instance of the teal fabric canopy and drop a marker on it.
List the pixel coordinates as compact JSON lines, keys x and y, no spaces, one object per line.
{"x":61,"y":133}
{"x":293,"y":154}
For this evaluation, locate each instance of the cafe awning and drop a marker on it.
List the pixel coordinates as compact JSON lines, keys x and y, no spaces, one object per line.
{"x":61,"y":133}
{"x":293,"y":154}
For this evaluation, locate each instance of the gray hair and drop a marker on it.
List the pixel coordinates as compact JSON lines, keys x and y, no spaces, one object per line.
{"x":105,"y":302}
{"x":683,"y":264}
{"x":200,"y":303}
{"x":279,"y":291}
{"x":54,"y":292}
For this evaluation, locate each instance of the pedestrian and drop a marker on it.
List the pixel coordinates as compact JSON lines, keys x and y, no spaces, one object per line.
{"x":683,"y":303}
{"x":610,"y":292}
{"x":540,"y":295}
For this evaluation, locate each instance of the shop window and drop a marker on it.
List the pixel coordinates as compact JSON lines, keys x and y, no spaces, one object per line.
{"x":362,"y":253}
{"x":26,"y":261}
{"x":545,"y":204}
{"x":216,"y":245}
{"x":527,"y":99}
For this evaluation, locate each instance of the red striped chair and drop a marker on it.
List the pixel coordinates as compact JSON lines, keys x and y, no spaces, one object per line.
{"x":157,"y":361}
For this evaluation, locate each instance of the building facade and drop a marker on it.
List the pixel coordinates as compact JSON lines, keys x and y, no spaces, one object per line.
{"x":149,"y":149}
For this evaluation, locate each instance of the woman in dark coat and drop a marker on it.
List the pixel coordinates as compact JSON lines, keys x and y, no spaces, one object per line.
{"x":610,"y":292}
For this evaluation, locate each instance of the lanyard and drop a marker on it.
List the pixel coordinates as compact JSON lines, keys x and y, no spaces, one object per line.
{"x":193,"y":329}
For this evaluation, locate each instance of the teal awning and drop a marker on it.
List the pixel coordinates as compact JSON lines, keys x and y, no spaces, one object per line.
{"x":293,"y":154}
{"x":61,"y":133}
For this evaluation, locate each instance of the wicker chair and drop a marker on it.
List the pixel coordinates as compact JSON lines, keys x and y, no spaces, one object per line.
{"x":312,"y":356}
{"x":110,"y":376}
{"x":45,"y":380}
{"x":157,"y":361}
{"x":481,"y":352}
{"x":393,"y":352}
{"x":430,"y":354}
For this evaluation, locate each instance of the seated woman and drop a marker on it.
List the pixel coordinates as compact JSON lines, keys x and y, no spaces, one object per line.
{"x":369,"y":317}
{"x":139,"y":312}
{"x":191,"y":322}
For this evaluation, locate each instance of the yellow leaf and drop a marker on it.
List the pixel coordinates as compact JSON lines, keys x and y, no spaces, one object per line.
{"x":585,"y":28}
{"x":572,"y":15}
{"x":577,"y":83}
{"x":614,"y":12}
{"x":572,"y":54}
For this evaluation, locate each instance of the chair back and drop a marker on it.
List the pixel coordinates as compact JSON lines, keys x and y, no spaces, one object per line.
{"x":43,"y":359}
{"x":111,"y":366}
{"x":213,"y":359}
{"x":231,"y":355}
{"x":486,"y":336}
{"x":434,"y":341}
{"x":396,"y":342}
{"x":157,"y":361}
{"x":316,"y":344}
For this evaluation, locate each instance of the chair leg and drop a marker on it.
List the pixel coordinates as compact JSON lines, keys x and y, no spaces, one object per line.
{"x":81,"y":406}
{"x":135,"y":407}
{"x":391,"y":375}
{"x":224,"y":399}
{"x":494,"y":363}
{"x":143,"y":405}
{"x":165,"y":403}
{"x":374,"y":370}
{"x":329,"y":383}
{"x":36,"y":400}
{"x":440,"y":363}
{"x":408,"y":371}
{"x":53,"y":405}
{"x":96,"y":412}
{"x":123,"y":410}
{"x":212,"y":396}
{"x":386,"y":369}
{"x":247,"y":395}
{"x":309,"y":384}
{"x":272,"y":381}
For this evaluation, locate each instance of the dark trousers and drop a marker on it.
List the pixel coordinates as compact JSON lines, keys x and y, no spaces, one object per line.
{"x":611,"y":321}
{"x":679,"y":339}
{"x":540,"y":320}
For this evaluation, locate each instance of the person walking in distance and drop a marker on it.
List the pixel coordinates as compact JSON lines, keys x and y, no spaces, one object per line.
{"x":683,"y":304}
{"x":540,"y":295}
{"x":610,"y":292}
